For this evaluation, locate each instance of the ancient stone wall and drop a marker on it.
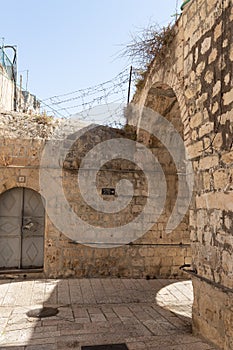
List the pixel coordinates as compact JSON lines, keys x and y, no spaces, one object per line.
{"x":193,"y":89}
{"x":198,"y":69}
{"x":154,"y":254}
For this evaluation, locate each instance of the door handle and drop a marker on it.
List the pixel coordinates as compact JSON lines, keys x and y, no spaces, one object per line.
{"x":28,"y":226}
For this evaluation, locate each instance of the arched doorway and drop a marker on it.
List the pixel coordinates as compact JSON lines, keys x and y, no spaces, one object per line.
{"x":22,"y":222}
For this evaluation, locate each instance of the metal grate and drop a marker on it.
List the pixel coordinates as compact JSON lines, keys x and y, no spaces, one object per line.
{"x":105,"y":347}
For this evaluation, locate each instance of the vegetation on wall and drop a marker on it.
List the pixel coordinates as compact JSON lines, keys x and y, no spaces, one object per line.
{"x":43,"y":119}
{"x":152,"y":43}
{"x":149,"y":45}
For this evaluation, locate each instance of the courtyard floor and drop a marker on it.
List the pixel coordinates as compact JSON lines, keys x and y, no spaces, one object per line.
{"x":143,"y":314}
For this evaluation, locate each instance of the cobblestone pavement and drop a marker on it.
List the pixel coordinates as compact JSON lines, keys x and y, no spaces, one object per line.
{"x":144,"y":314}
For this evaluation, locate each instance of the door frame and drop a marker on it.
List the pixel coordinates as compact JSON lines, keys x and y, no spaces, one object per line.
{"x":20,"y":269}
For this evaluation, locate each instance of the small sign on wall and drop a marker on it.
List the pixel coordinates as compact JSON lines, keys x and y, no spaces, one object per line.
{"x":108,"y":191}
{"x":21,"y":179}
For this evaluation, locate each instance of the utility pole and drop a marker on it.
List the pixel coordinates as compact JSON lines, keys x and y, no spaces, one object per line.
{"x":27,"y":80}
{"x":20,"y":92}
{"x":130,"y":80}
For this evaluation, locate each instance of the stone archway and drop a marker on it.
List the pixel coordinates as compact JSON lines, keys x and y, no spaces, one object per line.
{"x":161,"y":98}
{"x":199,"y":70}
{"x":22,"y":222}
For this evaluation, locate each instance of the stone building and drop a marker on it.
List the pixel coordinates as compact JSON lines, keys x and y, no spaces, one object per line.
{"x":7,"y":88}
{"x":12,"y":96}
{"x":193,"y":90}
{"x":23,"y":139}
{"x":198,"y":72}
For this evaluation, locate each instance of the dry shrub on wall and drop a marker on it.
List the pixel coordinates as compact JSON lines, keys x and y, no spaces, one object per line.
{"x":149,"y":45}
{"x":43,"y":119}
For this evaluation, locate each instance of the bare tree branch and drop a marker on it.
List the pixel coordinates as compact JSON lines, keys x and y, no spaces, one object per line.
{"x":150,"y":44}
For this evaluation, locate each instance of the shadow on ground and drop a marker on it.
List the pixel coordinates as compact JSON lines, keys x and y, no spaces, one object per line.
{"x":144,"y":314}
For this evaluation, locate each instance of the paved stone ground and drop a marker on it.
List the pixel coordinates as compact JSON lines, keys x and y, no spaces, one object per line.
{"x":154,"y":314}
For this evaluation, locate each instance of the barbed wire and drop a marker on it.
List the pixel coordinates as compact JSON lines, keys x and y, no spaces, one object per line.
{"x":121,"y":76}
{"x":110,"y":95}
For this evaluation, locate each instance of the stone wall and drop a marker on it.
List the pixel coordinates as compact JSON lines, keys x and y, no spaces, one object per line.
{"x":6,"y":91}
{"x":194,"y":91}
{"x":11,"y":99}
{"x":198,"y":69}
{"x":154,"y":254}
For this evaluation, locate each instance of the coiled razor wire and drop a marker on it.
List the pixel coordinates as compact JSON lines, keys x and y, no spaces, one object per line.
{"x":103,"y":103}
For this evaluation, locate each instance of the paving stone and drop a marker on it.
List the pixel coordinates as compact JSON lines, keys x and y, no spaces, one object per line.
{"x":98,"y":311}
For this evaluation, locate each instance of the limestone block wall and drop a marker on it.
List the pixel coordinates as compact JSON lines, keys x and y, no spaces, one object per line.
{"x":154,"y":254}
{"x":211,"y":148}
{"x":199,"y":69}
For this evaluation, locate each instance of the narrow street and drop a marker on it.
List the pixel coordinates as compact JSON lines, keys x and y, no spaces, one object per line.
{"x":143,"y":314}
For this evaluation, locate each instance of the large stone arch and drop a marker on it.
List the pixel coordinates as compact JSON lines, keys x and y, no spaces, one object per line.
{"x":168,"y":75}
{"x":163,"y":94}
{"x":199,"y":70}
